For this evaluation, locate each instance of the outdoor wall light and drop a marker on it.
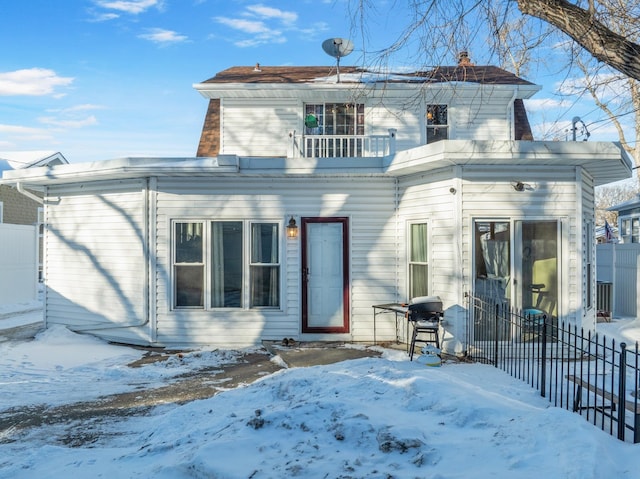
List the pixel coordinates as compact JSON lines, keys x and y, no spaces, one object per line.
{"x":519,"y":186}
{"x":292,"y":229}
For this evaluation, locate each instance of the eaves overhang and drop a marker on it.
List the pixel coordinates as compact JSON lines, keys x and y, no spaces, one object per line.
{"x":121,"y":168}
{"x":307,"y":91}
{"x":606,"y":162}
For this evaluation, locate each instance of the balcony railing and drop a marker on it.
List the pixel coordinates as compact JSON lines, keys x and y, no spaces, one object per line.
{"x":335,"y":146}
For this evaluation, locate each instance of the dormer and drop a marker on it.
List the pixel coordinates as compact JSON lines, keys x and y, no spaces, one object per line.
{"x":311,"y":112}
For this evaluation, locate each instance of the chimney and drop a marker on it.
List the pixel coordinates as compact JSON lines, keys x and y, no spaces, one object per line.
{"x":463,"y":59}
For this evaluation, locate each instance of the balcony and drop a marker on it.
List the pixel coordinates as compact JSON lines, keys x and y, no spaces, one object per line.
{"x":347,"y":146}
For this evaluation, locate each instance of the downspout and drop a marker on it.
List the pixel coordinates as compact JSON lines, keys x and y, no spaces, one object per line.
{"x":28,"y":194}
{"x":397,"y":239}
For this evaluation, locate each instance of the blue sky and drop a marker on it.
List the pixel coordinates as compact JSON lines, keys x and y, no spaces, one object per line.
{"x":100,"y":79}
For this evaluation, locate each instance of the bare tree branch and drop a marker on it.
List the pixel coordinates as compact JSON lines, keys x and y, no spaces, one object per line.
{"x":581,"y":25}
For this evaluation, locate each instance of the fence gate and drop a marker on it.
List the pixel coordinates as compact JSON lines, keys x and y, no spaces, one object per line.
{"x":18,"y":263}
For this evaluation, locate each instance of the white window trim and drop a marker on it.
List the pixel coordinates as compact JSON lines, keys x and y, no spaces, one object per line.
{"x":446,"y":127}
{"x":410,"y":223}
{"x":1,"y":211}
{"x":628,"y":237}
{"x":246,"y":270}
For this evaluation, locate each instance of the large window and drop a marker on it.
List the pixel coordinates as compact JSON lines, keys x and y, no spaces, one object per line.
{"x":226,"y":264}
{"x":334,"y":130}
{"x":210,"y":268}
{"x":437,"y":123}
{"x":188,"y":269}
{"x":418,"y":261}
{"x":265,"y":265}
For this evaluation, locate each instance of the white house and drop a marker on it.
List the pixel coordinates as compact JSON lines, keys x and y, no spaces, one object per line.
{"x":398,"y":186}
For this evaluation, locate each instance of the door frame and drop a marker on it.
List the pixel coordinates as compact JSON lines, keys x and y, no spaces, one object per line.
{"x":515,"y":260}
{"x":304,"y":222}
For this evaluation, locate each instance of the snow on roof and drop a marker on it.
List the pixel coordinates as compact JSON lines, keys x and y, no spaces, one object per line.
{"x":16,"y":160}
{"x":351,"y":74}
{"x":371,"y":77}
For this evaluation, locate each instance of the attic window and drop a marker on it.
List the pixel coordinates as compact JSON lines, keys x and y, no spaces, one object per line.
{"x":437,"y":123}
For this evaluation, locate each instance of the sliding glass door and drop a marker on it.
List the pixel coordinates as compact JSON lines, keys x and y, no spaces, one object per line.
{"x":516,"y":265}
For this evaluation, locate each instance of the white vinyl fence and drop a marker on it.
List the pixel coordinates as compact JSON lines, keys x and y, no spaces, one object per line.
{"x":18,"y":264}
{"x":618,"y":268}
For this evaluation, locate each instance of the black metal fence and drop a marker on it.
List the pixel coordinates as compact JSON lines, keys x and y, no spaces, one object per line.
{"x":584,"y":372}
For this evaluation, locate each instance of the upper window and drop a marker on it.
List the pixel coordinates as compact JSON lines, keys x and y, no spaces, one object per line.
{"x":418,"y":261}
{"x":630,"y":229}
{"x":437,"y":123}
{"x":209,"y":269}
{"x":333,"y":130}
{"x":334,"y":119}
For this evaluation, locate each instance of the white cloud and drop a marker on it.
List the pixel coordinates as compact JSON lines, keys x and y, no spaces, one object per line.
{"x":255,"y":22}
{"x":534,"y":105}
{"x":82,"y":107}
{"x":270,"y":12}
{"x":610,"y":87}
{"x":103,"y":17}
{"x":259,"y":40}
{"x":133,"y":7}
{"x":25,"y":132}
{"x":70,"y":123}
{"x":31,"y":82}
{"x":162,"y":36}
{"x":247,"y":26}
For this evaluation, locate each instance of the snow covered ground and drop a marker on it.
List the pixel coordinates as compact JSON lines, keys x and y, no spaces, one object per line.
{"x":367,"y":418}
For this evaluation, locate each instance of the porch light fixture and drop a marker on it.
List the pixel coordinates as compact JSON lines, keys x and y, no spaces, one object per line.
{"x":292,"y":229}
{"x":519,"y":186}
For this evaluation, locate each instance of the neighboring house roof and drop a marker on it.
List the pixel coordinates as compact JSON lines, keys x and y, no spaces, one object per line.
{"x":350,"y":74}
{"x":627,"y":205}
{"x":16,"y":160}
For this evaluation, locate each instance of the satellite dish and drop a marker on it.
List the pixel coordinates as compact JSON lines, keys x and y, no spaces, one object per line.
{"x":337,"y":48}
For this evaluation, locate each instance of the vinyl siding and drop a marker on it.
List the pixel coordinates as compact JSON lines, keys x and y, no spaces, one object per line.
{"x":488,"y":194}
{"x":367,"y":202}
{"x":587,"y":212}
{"x":258,"y":127}
{"x":483,"y":115}
{"x":261,"y":127}
{"x":94,"y":255}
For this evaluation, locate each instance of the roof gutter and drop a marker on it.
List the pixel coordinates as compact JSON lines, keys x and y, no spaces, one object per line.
{"x":28,"y":194}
